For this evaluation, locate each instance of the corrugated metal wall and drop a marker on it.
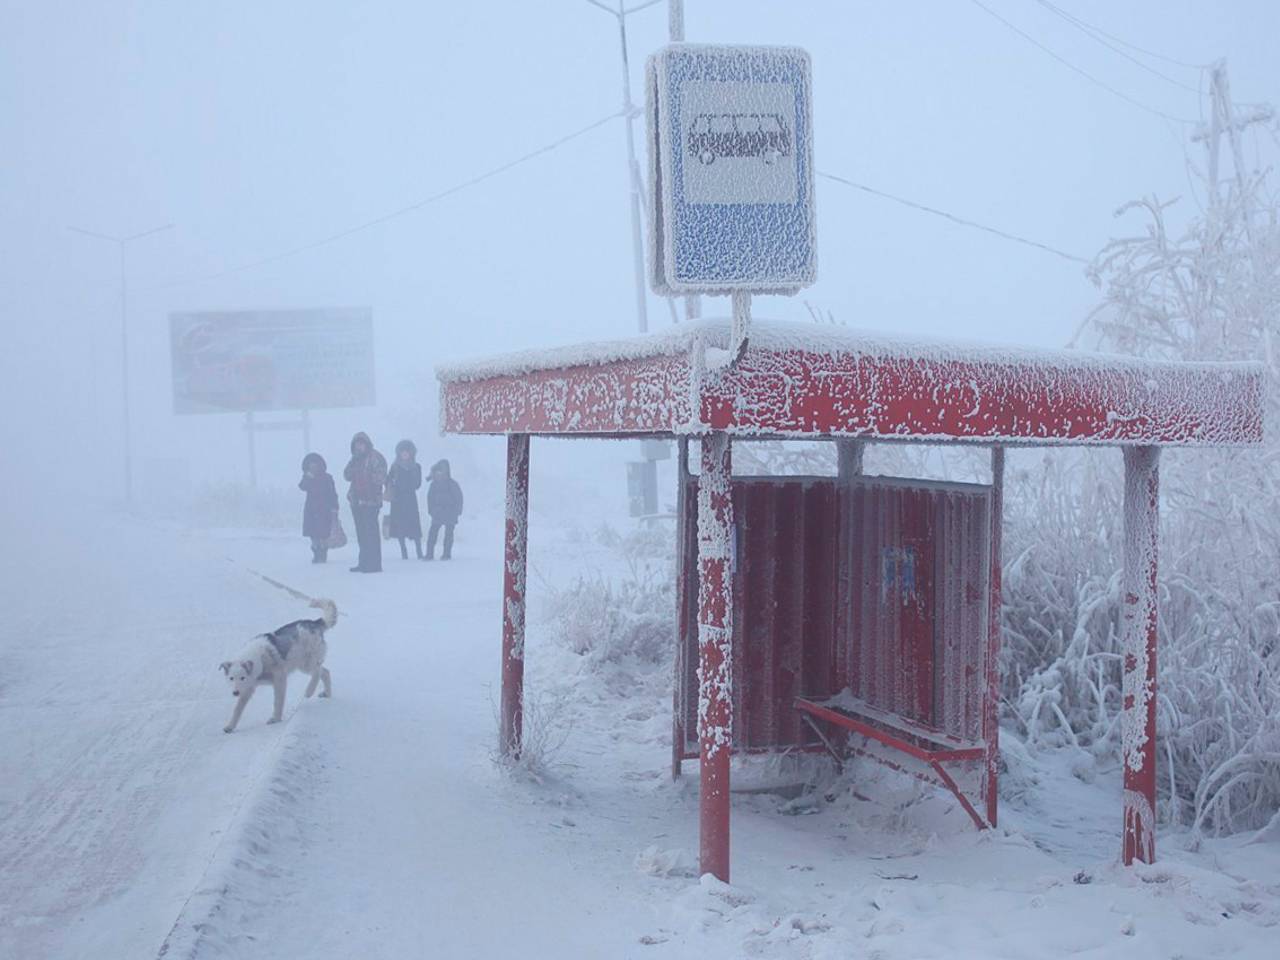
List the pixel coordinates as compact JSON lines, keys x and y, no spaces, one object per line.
{"x":913,"y":600}
{"x":878,"y":586}
{"x":783,"y":608}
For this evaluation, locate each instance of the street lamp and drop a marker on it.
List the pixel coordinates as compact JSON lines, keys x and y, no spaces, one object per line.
{"x":629,"y":115}
{"x":124,"y":342}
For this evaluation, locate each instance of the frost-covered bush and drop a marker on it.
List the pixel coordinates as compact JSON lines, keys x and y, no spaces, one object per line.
{"x":1211,"y":292}
{"x":632,"y":616}
{"x":545,"y":727}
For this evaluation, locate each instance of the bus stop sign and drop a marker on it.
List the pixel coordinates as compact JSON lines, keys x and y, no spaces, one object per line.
{"x":730,"y":137}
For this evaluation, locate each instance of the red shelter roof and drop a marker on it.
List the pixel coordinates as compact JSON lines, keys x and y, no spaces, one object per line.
{"x":809,"y":380}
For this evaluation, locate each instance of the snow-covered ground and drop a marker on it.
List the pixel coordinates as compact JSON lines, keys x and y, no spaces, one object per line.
{"x":376,"y":824}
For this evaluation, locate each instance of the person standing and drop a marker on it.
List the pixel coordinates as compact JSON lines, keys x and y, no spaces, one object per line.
{"x":367,"y":473}
{"x":444,"y":503}
{"x":319,"y":511}
{"x":403,"y":482}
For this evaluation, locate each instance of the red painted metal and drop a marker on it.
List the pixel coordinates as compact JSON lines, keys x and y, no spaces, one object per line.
{"x":715,"y":652}
{"x":913,"y":593}
{"x":1138,"y":719}
{"x":784,"y":610}
{"x":991,"y":704}
{"x":683,"y":717}
{"x":874,"y":393}
{"x":947,"y":781}
{"x":644,"y":396}
{"x":795,"y":392}
{"x":902,"y":737}
{"x":784,"y":617}
{"x":874,"y":584}
{"x":891,"y":731}
{"x":513,"y":594}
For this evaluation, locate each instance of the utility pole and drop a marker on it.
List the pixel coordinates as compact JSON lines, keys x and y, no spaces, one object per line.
{"x":1223,"y":120}
{"x":123,"y":243}
{"x":633,"y":168}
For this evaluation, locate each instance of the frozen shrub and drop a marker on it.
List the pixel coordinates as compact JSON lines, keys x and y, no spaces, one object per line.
{"x":1210,"y":293}
{"x":632,"y":617}
{"x":545,"y":727}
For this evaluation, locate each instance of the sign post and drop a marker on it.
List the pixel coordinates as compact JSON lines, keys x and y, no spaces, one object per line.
{"x":731,"y":212}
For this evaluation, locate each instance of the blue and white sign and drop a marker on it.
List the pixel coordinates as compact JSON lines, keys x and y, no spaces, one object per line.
{"x":730,"y":170}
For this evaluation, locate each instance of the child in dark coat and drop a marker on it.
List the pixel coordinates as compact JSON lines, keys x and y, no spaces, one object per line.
{"x":403,"y":480}
{"x":321,"y":506}
{"x":444,"y":503}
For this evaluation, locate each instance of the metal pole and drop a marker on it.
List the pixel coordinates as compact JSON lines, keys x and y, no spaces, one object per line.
{"x":849,"y":460}
{"x":513,"y":595}
{"x":715,"y":652}
{"x":124,"y":344}
{"x":253,"y":450}
{"x":678,"y":712}
{"x":1138,"y":690}
{"x":675,"y":20}
{"x":633,"y":174}
{"x":675,"y":33}
{"x":991,"y":695}
{"x":124,"y":379}
{"x":741,"y":303}
{"x":306,"y":432}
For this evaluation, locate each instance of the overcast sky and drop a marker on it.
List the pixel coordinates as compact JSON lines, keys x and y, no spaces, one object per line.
{"x":258,"y":127}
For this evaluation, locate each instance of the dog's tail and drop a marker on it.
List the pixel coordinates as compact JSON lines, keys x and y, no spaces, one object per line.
{"x":328,"y":611}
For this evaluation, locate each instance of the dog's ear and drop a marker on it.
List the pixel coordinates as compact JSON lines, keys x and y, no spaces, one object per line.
{"x":248,"y":665}
{"x":225,"y":667}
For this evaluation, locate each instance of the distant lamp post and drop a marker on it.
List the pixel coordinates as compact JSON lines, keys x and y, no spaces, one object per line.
{"x":123,"y":242}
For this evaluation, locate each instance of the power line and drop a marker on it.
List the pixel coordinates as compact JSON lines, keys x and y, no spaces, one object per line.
{"x":394,"y":214}
{"x":961,"y":221}
{"x":1097,"y":34}
{"x":1124,"y":43}
{"x":1071,"y":66}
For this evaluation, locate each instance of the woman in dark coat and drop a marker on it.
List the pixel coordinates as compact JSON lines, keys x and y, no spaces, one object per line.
{"x":403,"y":481}
{"x":321,"y":506}
{"x":367,"y":472}
{"x":444,"y":503}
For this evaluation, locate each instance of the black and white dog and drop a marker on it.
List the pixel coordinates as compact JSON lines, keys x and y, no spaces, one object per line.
{"x":271,"y":657}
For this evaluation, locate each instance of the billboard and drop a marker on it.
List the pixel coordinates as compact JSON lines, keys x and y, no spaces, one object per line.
{"x":730,"y":170}
{"x":260,"y":360}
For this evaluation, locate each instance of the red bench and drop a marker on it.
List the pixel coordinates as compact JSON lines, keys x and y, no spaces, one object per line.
{"x":930,"y":748}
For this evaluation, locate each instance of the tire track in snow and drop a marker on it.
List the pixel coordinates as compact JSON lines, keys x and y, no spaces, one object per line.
{"x":107,"y":794}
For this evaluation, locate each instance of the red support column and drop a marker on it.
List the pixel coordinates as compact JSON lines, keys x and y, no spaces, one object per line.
{"x":1138,"y":720}
{"x":513,"y":585}
{"x":715,"y":651}
{"x":991,"y":700}
{"x":678,"y":713}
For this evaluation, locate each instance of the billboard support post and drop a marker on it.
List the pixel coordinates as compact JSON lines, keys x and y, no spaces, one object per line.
{"x":250,"y":429}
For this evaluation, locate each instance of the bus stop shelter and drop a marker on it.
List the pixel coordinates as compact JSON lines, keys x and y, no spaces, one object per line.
{"x":852,"y":614}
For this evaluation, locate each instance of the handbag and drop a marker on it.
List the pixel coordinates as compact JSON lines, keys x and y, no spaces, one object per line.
{"x":337,"y":536}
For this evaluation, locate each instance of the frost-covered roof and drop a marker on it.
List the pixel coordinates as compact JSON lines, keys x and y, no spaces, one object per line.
{"x":816,"y":380}
{"x":777,"y":335}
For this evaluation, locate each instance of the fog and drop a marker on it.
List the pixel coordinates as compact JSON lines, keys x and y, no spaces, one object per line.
{"x":459,"y":170}
{"x":256,"y":129}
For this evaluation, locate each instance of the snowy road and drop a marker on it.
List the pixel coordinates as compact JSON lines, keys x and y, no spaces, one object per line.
{"x":375,"y":825}
{"x":113,"y":793}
